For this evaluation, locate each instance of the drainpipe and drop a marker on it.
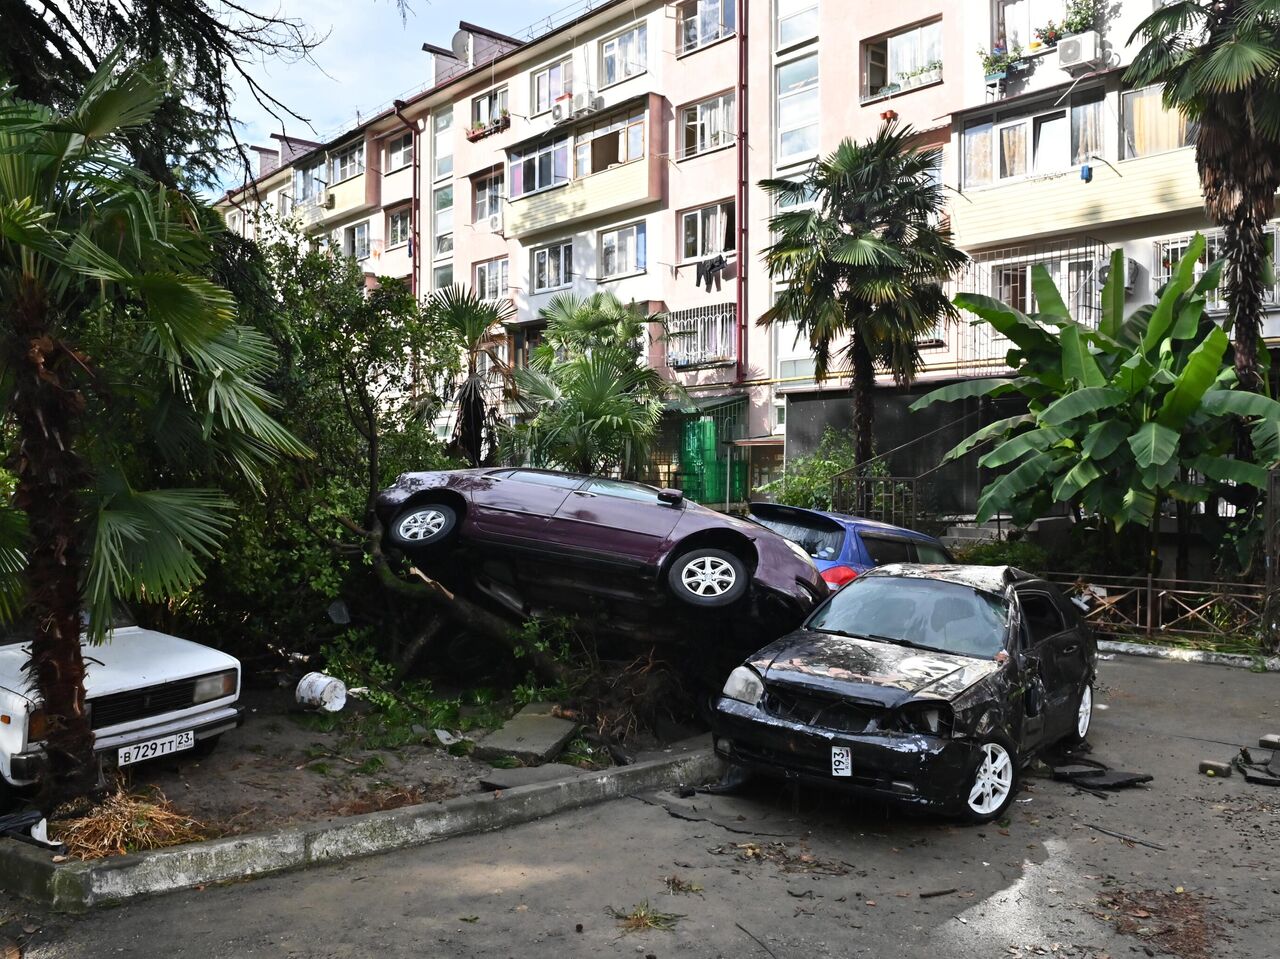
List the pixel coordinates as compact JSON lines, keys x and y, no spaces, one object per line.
{"x":742,"y":247}
{"x":415,"y":170}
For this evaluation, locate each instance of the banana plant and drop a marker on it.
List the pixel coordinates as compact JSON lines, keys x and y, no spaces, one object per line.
{"x":1118,"y":417}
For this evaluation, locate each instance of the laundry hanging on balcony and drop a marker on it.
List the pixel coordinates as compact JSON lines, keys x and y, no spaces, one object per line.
{"x":709,"y":271}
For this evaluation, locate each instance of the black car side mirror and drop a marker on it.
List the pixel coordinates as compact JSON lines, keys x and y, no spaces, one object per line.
{"x":672,"y":497}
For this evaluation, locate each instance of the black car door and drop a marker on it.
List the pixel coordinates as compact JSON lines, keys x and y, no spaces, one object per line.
{"x":1051,"y":646}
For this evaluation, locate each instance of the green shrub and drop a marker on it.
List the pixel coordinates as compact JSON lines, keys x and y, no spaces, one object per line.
{"x":807,"y":480}
{"x":1019,"y":553}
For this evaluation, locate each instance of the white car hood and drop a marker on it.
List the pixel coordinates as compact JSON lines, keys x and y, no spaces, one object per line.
{"x":131,"y":658}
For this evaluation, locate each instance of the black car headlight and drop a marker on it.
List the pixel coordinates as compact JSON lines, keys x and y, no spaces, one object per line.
{"x":927,"y":718}
{"x":745,"y":685}
{"x":216,"y":686}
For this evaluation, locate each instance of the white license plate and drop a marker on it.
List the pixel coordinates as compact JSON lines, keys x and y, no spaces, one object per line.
{"x":154,"y":748}
{"x":841,"y":761}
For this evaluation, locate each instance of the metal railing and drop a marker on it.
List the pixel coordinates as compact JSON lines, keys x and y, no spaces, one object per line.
{"x":702,"y":336}
{"x":897,"y":500}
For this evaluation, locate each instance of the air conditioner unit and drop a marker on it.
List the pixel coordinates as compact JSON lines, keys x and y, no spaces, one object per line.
{"x":1080,"y":50}
{"x":561,"y":111}
{"x":1132,"y":270}
{"x":587,"y":102}
{"x":494,"y":222}
{"x":330,"y":201}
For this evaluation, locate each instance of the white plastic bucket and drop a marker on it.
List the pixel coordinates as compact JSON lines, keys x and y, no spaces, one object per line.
{"x":322,"y":692}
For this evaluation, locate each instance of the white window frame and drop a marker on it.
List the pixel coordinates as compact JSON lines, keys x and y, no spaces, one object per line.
{"x":487,"y":196}
{"x":565,"y":66}
{"x":487,"y":109}
{"x":442,"y":144}
{"x":491,"y":278}
{"x":437,"y":272}
{"x":400,"y":152}
{"x":611,"y":47}
{"x":547,"y":146}
{"x":699,"y":115}
{"x":346,"y":164}
{"x":784,"y":159}
{"x":402,"y":216}
{"x":1169,"y":250}
{"x":714,"y":215}
{"x":915,"y":31}
{"x":442,"y":216}
{"x":711,"y":20}
{"x":307,"y":185}
{"x":621,"y":125}
{"x":1063,"y":161}
{"x":560,"y":253}
{"x":639,"y":239}
{"x":355,"y":240}
{"x":791,"y":11}
{"x":1125,"y":153}
{"x":1038,"y":13}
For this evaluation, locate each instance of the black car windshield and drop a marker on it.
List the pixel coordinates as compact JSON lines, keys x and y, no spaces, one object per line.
{"x":928,"y":613}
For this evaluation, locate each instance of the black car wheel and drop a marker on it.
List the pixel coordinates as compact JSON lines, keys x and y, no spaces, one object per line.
{"x":422,"y":526}
{"x":708,"y":577}
{"x":1082,"y":718}
{"x":989,"y":788}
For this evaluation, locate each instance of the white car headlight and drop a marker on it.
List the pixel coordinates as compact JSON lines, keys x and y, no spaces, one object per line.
{"x":744,"y":685}
{"x":799,"y":551}
{"x":214,"y":687}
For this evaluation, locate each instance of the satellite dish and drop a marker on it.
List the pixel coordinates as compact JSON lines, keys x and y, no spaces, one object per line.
{"x":462,"y":46}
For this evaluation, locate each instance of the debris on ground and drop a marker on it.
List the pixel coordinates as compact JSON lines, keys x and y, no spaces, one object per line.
{"x":534,"y":736}
{"x":1180,"y":923}
{"x":1254,"y":770}
{"x":1209,"y":767}
{"x":643,"y":917}
{"x":1128,"y":840}
{"x":680,"y":887}
{"x":383,"y":797}
{"x":783,"y":856}
{"x":1092,"y":774}
{"x":322,"y":692}
{"x":124,"y":823}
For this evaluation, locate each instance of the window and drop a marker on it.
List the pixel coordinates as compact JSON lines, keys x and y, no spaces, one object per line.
{"x":1150,"y":128}
{"x":550,"y":84}
{"x":491,"y":278}
{"x":442,"y":276}
{"x":618,"y":138}
{"x":1041,"y":619}
{"x":538,"y":166}
{"x":543,"y":478}
{"x":308,"y":183}
{"x":1076,"y":277}
{"x":399,"y":152}
{"x":903,"y":59}
{"x":1169,"y":251}
{"x":355,"y":241}
{"x":442,"y":144}
{"x":624,"y":55}
{"x":703,"y":22}
{"x":622,"y":251}
{"x":442,"y":219}
{"x":398,"y":226}
{"x":346,"y":163}
{"x":884,"y":550}
{"x":488,"y":109}
{"x":488,"y":197}
{"x":623,"y":490}
{"x":524,"y":340}
{"x":552,"y":267}
{"x":797,"y":109}
{"x":1017,"y":20}
{"x":707,"y":231}
{"x":708,"y":125}
{"x":1006,"y":146}
{"x":797,"y":20}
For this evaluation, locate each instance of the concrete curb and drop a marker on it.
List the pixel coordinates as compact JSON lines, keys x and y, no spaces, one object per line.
{"x":79,"y":886}
{"x":1270,"y":664}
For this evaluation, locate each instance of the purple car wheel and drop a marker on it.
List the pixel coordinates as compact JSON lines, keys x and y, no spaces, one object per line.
{"x":426,"y":524}
{"x":708,"y":577}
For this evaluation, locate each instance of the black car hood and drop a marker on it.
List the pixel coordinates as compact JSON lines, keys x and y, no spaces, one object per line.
{"x":867,"y":670}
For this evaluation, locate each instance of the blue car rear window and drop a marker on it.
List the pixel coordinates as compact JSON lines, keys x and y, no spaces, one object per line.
{"x":820,"y":538}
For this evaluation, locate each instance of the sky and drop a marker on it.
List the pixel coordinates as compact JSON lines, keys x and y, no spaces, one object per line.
{"x":370,"y":58}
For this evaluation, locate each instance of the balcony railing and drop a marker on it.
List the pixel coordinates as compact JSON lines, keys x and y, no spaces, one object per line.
{"x":702,"y":336}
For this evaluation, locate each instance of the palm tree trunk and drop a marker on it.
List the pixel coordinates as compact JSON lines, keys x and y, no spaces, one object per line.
{"x":47,"y":410}
{"x":864,"y":386}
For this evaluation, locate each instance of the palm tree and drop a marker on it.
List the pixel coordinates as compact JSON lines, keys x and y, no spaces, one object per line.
{"x":579,"y":323}
{"x":477,"y":323}
{"x":117,"y":354}
{"x":1219,"y":61}
{"x":862,"y":257}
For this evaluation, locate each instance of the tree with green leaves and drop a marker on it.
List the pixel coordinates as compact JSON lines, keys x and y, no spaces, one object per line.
{"x":862,"y":255}
{"x":114,"y":341}
{"x":1219,"y":61}
{"x":477,"y":324}
{"x":1120,"y":416}
{"x":593,"y":404}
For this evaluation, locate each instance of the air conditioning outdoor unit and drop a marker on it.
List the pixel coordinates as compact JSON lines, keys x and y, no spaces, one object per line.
{"x":495,"y":222}
{"x":1080,"y":50}
{"x":330,"y":201}
{"x":587,"y":102}
{"x":1132,"y":270}
{"x":561,"y":111}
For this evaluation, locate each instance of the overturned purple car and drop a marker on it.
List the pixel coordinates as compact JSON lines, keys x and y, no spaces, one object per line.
{"x":633,"y":539}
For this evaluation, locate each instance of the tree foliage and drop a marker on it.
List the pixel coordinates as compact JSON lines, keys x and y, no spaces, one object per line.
{"x":1121,"y":416}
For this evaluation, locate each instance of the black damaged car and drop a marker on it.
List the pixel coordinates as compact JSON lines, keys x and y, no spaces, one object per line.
{"x":929,"y":685}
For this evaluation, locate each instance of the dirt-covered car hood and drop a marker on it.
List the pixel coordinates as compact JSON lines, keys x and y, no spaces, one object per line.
{"x":868,"y":670}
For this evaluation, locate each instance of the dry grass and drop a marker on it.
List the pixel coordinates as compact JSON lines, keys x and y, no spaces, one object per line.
{"x":644,"y":917}
{"x":124,"y":823}
{"x":787,"y":859}
{"x":1180,"y":923}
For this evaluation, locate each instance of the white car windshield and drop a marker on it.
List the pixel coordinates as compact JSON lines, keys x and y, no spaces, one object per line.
{"x":22,"y":629}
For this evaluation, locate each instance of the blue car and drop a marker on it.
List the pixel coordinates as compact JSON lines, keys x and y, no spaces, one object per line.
{"x":843,"y":547}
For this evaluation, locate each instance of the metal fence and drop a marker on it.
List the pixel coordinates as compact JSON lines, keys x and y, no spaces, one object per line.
{"x":898,"y":500}
{"x":702,"y":336}
{"x":1138,"y":606}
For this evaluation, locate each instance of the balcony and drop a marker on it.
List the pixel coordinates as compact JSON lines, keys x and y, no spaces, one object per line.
{"x":619,"y":188}
{"x":703,"y":336}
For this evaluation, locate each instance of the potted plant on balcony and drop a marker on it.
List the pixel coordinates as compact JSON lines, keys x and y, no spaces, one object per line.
{"x":997,"y":61}
{"x":1047,"y":37}
{"x":1082,"y":16}
{"x":931,"y":72}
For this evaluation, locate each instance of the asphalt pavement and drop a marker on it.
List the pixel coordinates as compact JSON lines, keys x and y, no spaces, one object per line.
{"x":773,"y":873}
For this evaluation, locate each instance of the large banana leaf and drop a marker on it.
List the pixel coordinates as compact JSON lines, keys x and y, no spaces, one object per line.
{"x":1198,"y":374}
{"x":1078,"y":364}
{"x":965,"y":389}
{"x":1000,"y":495}
{"x":990,"y":431}
{"x":1153,"y":444}
{"x":1081,"y":403}
{"x":1014,"y":449}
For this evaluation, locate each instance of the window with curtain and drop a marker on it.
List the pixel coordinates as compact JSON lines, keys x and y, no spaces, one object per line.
{"x":488,"y":108}
{"x":1013,"y":150}
{"x":1000,"y":146}
{"x":797,"y":108}
{"x":624,"y":55}
{"x":977,"y":153}
{"x":622,"y":251}
{"x":1015,"y":21}
{"x":708,"y":125}
{"x":491,"y":278}
{"x":488,"y":197}
{"x":707,"y":231}
{"x":1086,"y":126}
{"x":1150,"y":128}
{"x":703,"y":22}
{"x":398,"y":226}
{"x":908,"y":53}
{"x":551,"y":83}
{"x":552,"y":266}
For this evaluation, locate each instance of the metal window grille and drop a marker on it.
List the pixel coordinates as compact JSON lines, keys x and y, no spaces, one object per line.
{"x":702,"y":336}
{"x":1169,"y":251}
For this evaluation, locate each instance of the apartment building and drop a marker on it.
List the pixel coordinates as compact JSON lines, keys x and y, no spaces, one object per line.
{"x":622,"y":148}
